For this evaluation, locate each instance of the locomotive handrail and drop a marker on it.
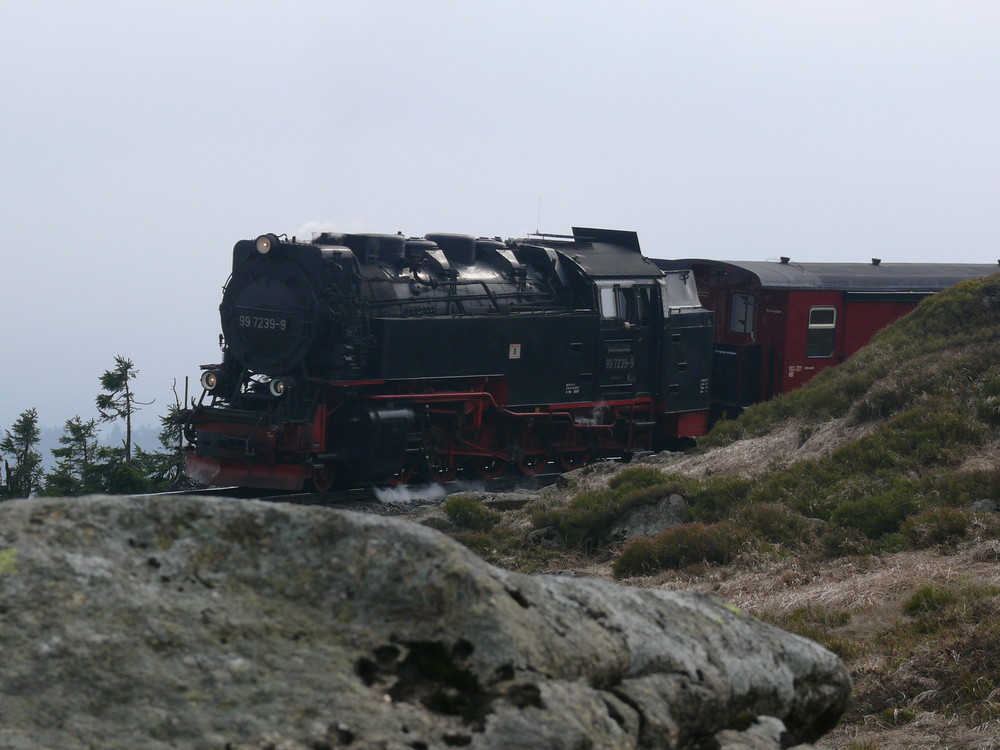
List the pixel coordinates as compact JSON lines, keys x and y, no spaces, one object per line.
{"x":488,"y":293}
{"x":532,"y":307}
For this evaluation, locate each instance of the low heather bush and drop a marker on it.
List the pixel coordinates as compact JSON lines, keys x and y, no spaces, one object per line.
{"x":469,"y":513}
{"x":775,"y":523}
{"x":929,"y":599}
{"x":935,"y":526}
{"x":692,"y":543}
{"x":877,"y":515}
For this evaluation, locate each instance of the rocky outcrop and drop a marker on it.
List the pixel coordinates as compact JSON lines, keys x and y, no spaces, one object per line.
{"x":650,"y":520}
{"x":197,"y":623}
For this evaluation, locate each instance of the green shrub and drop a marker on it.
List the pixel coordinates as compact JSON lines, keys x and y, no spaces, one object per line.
{"x":714,"y":498}
{"x":929,"y":599}
{"x":932,"y":432}
{"x":676,"y":547}
{"x":884,"y":400}
{"x":469,"y":513}
{"x":867,"y":455}
{"x":879,"y":514}
{"x":638,"y":558}
{"x":836,"y":541}
{"x":934,"y":526}
{"x":637,"y":478}
{"x":775,"y":523}
{"x":958,"y":488}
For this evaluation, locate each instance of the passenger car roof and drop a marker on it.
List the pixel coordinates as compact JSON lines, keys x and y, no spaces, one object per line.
{"x":851,"y":277}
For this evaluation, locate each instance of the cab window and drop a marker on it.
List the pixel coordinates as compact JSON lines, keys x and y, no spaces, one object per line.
{"x":609,"y":308}
{"x":821,"y":338}
{"x":635,"y":304}
{"x":742,"y":311}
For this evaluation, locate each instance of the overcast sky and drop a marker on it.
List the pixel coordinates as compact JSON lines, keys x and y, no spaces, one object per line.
{"x":140,"y":140}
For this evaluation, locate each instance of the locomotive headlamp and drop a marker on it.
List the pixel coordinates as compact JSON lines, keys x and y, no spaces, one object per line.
{"x":265,"y":243}
{"x":209,"y":380}
{"x":278,"y":387}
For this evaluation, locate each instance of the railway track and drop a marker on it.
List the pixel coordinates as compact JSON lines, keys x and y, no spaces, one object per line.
{"x":376,"y":500}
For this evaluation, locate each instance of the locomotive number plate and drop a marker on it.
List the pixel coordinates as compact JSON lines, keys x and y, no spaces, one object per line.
{"x":619,"y":363}
{"x":261,"y":320}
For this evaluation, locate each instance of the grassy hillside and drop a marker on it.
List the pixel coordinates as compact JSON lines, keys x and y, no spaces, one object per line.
{"x":867,"y":473}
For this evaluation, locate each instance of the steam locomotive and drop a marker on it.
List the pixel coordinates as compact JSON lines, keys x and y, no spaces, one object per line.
{"x":370,"y":358}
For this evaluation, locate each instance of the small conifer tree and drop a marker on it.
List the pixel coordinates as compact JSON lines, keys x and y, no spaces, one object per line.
{"x":24,"y":476}
{"x":75,"y":459}
{"x":118,"y":401}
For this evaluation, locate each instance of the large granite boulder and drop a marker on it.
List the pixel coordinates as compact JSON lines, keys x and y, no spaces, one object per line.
{"x":182,"y":622}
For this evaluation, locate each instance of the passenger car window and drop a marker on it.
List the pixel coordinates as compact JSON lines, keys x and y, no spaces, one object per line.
{"x":821,"y":337}
{"x":742,"y":310}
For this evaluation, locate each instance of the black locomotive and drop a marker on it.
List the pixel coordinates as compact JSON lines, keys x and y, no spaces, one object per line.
{"x":375,"y":358}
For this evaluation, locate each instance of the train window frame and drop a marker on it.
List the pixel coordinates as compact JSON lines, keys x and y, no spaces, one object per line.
{"x":744,"y":303}
{"x":635,"y":303}
{"x":821,"y":335}
{"x":608,"y":301}
{"x":645,"y":299}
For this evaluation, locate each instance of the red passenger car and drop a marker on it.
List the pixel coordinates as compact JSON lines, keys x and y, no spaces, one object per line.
{"x":778,"y":323}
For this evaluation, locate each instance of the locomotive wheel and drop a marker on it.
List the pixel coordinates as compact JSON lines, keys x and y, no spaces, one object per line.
{"x":574,"y":455}
{"x":322,"y":478}
{"x":532,"y":465}
{"x":440,"y":468}
{"x":405,"y":474}
{"x":489,"y":467}
{"x":573,"y":459}
{"x":533,"y":458}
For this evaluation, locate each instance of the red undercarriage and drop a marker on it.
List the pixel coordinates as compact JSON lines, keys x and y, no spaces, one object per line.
{"x":464,"y":430}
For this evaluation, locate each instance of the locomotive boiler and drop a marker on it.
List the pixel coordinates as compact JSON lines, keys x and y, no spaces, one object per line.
{"x":368,"y":358}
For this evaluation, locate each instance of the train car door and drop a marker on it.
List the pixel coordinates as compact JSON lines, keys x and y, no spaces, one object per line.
{"x":736,"y":361}
{"x":627,"y":310}
{"x":685,"y":350}
{"x":814,"y":337}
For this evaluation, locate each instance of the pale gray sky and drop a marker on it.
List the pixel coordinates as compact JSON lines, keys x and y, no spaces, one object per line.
{"x":140,"y":140}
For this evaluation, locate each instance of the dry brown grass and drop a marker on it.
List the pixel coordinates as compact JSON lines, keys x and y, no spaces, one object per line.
{"x":927,"y":731}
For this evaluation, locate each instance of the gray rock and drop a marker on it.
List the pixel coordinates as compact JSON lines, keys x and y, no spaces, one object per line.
{"x":650,"y":520}
{"x":170,"y":622}
{"x":547,"y":537}
{"x":985,"y":506}
{"x":599,"y":468}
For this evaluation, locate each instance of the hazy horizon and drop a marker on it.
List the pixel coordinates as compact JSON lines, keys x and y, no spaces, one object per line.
{"x":143,"y":140}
